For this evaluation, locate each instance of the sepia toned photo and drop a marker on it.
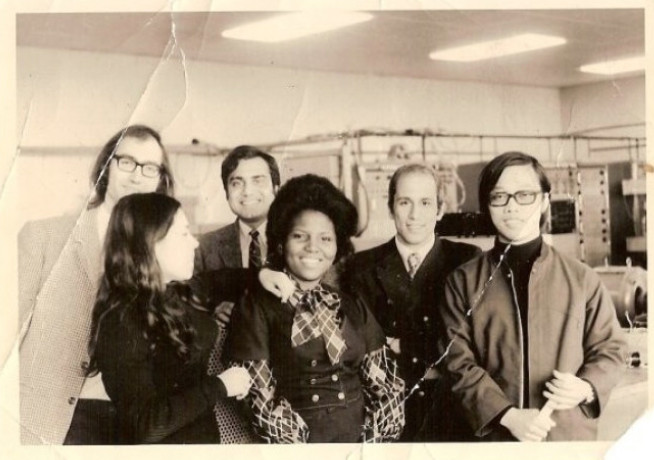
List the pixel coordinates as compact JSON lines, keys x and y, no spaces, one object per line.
{"x":418,"y":227}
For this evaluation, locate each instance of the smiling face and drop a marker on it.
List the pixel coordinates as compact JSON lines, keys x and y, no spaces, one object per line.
{"x":176,"y":251}
{"x":517,"y":223}
{"x":250,"y":191}
{"x":310,"y":247}
{"x":122,"y":183}
{"x":415,"y":208}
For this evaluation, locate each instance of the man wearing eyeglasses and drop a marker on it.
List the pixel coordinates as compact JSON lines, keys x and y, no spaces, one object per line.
{"x":525,"y":326}
{"x":400,"y":281}
{"x":59,"y":269}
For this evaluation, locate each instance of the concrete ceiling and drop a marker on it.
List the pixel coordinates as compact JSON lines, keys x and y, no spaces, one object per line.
{"x":394,"y":43}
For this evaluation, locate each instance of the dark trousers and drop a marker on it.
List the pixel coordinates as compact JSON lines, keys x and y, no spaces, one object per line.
{"x":94,"y":423}
{"x":336,"y":423}
{"x":441,"y":416}
{"x":416,"y":408}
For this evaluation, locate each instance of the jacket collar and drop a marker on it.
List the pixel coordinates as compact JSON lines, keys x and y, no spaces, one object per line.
{"x":392,"y":274}
{"x":231,"y":248}
{"x":495,"y":254}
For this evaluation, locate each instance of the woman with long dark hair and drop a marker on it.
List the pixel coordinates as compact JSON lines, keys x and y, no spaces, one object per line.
{"x":151,"y":339}
{"x":525,"y":326}
{"x":318,"y":361}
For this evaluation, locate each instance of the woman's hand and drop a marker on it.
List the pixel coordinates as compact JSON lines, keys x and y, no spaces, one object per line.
{"x":525,"y":425}
{"x":567,"y":391}
{"x":237,"y":381}
{"x":277,"y":282}
{"x":223,"y":312}
{"x":394,"y":344}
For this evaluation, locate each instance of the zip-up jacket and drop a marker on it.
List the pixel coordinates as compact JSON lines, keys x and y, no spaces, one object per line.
{"x":572,"y":327}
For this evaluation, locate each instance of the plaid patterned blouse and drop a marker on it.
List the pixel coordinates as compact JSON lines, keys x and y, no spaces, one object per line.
{"x":317,"y":315}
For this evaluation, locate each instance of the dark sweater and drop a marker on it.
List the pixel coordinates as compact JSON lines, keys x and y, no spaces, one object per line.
{"x":520,"y":260}
{"x":159,"y":397}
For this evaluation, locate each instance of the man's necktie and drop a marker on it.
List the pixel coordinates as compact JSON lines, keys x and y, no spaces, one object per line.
{"x":254,"y":252}
{"x":414,"y":263}
{"x":233,"y":429}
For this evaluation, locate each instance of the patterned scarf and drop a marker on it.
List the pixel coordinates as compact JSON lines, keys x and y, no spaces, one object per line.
{"x":315,"y":316}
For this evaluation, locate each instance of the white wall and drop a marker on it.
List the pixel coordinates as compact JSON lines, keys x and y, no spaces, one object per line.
{"x":80,"y":98}
{"x":77,"y":100}
{"x":609,"y":103}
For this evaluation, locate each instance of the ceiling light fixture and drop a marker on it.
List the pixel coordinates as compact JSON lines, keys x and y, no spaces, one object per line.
{"x":496,"y":48}
{"x":295,"y":25}
{"x":614,"y":67}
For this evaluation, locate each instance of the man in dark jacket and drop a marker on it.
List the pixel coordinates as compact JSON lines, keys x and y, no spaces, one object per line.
{"x":401,"y":282}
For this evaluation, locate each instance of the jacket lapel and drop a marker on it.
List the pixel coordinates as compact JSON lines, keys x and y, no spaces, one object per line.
{"x":433,"y":265}
{"x":230,"y":247}
{"x":392,"y":275}
{"x":89,"y":248}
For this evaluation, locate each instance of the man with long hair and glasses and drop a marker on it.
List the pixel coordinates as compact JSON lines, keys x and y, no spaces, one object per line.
{"x":59,"y":270}
{"x":526,"y":327}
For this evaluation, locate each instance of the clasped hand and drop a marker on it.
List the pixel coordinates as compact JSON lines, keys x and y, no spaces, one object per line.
{"x":526,"y":425}
{"x":566,"y":391}
{"x":237,"y":381}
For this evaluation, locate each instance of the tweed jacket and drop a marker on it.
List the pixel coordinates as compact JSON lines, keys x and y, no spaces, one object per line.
{"x":53,"y":350}
{"x":39,"y":244}
{"x":572,"y":327}
{"x":219,"y":249}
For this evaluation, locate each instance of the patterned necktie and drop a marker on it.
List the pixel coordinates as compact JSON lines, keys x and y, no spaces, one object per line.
{"x":414,"y":264}
{"x":233,"y":428}
{"x":315,"y":316}
{"x":254,"y":251}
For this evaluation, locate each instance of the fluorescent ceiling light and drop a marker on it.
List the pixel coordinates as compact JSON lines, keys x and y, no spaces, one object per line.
{"x":614,"y":67}
{"x":295,"y":25}
{"x":495,"y":48}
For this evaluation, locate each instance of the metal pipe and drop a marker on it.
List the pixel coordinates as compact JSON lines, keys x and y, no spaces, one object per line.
{"x":613,"y":148}
{"x":605,"y":128}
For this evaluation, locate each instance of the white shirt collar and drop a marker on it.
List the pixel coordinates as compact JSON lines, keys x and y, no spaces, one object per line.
{"x":246,"y":229}
{"x":422,"y":250}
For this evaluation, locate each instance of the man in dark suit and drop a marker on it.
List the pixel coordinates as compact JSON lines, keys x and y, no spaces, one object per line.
{"x":251,"y":180}
{"x":401,"y":282}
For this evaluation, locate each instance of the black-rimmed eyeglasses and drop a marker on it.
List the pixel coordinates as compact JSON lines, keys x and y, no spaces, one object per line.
{"x":129,"y":164}
{"x":522,"y":197}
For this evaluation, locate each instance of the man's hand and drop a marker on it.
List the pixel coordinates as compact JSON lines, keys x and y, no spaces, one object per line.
{"x":277,"y":283}
{"x":525,"y":424}
{"x":223,"y":313}
{"x":566,"y":391}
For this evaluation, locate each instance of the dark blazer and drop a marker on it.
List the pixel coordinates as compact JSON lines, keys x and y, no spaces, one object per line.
{"x":219,"y":249}
{"x":159,"y":398}
{"x":406,"y":309}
